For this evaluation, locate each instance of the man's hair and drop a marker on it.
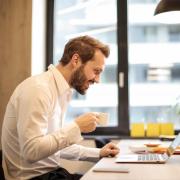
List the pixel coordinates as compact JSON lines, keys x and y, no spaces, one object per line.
{"x":85,"y":47}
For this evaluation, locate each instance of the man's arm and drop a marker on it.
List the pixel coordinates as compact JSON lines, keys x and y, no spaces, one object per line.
{"x":35,"y":141}
{"x":78,"y":152}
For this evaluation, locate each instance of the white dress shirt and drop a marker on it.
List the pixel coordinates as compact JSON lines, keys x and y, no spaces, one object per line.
{"x":33,"y":135}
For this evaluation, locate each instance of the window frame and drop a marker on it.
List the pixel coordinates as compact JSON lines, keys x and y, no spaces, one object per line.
{"x":122,"y":129}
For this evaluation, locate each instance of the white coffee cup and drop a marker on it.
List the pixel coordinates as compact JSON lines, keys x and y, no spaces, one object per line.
{"x":102,"y":118}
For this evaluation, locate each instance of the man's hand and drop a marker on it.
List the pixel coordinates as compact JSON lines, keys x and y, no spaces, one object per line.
{"x":87,"y":122}
{"x":109,"y":149}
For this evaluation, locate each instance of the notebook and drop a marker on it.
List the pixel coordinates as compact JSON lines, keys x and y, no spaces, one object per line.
{"x":109,"y":166}
{"x":150,"y":157}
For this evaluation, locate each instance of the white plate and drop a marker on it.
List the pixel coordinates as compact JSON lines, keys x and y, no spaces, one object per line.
{"x":138,"y":148}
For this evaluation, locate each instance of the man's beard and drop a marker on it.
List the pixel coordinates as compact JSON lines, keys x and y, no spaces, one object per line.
{"x":78,"y":80}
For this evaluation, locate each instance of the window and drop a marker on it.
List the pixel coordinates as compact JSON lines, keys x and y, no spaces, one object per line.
{"x":90,"y":17}
{"x":97,"y":18}
{"x":154,"y":78}
{"x":174,"y":34}
{"x":141,"y":80}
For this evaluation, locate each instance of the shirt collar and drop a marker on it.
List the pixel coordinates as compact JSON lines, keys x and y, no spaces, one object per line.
{"x":62,"y":84}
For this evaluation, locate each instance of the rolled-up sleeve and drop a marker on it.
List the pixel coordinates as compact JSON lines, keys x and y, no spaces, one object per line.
{"x":78,"y":152}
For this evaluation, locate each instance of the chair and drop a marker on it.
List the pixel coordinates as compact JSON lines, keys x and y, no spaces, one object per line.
{"x":100,"y":141}
{"x":1,"y":169}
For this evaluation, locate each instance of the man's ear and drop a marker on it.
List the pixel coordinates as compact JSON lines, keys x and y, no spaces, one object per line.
{"x":75,"y":60}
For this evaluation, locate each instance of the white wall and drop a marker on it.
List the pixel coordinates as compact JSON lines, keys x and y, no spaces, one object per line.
{"x":38,"y":52}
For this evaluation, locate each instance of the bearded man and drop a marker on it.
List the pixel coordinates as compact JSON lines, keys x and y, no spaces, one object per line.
{"x":33,"y":135}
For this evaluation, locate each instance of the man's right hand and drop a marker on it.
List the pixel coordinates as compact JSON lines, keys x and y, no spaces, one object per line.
{"x":87,"y":122}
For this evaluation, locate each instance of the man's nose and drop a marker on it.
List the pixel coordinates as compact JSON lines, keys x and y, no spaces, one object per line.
{"x":97,"y":78}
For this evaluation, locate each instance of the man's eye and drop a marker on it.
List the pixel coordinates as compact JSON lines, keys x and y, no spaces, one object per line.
{"x":97,"y":72}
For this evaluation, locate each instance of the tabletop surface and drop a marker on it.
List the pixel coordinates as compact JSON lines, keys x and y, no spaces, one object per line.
{"x":168,"y":171}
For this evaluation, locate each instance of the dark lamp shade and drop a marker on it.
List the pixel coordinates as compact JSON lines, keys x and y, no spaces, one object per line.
{"x":168,"y":11}
{"x":167,"y":5}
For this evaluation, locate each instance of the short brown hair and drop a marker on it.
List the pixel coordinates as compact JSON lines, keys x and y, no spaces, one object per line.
{"x":85,"y":47}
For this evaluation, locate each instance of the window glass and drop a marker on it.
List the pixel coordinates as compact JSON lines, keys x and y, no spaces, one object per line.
{"x":154,"y":66}
{"x":96,"y":18}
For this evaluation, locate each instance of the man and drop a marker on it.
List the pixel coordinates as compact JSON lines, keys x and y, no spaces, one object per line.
{"x":33,"y":135}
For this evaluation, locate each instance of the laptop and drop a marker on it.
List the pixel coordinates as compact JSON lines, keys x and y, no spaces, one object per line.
{"x":150,"y":157}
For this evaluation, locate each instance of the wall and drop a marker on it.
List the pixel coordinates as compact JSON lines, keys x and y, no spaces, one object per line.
{"x":38,"y":51}
{"x":15,"y":47}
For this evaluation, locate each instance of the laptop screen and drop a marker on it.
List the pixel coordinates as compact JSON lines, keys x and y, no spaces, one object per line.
{"x":173,"y":145}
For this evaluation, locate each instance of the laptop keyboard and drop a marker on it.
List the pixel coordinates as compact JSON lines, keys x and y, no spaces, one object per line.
{"x":148,"y":157}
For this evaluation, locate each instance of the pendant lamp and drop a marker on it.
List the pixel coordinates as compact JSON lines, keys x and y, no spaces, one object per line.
{"x":168,"y":11}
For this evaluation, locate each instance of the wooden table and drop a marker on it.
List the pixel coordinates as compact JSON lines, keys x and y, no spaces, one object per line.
{"x":168,"y":171}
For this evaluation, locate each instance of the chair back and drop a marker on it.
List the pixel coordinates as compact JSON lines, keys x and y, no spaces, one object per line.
{"x":1,"y":169}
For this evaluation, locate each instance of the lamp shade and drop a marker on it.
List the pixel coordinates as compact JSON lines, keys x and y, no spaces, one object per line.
{"x":168,"y":11}
{"x":167,"y":5}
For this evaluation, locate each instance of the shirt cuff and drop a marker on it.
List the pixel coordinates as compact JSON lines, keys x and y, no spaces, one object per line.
{"x":94,"y":152}
{"x":91,"y":154}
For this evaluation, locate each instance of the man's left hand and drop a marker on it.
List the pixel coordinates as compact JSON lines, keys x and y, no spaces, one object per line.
{"x":109,"y":149}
